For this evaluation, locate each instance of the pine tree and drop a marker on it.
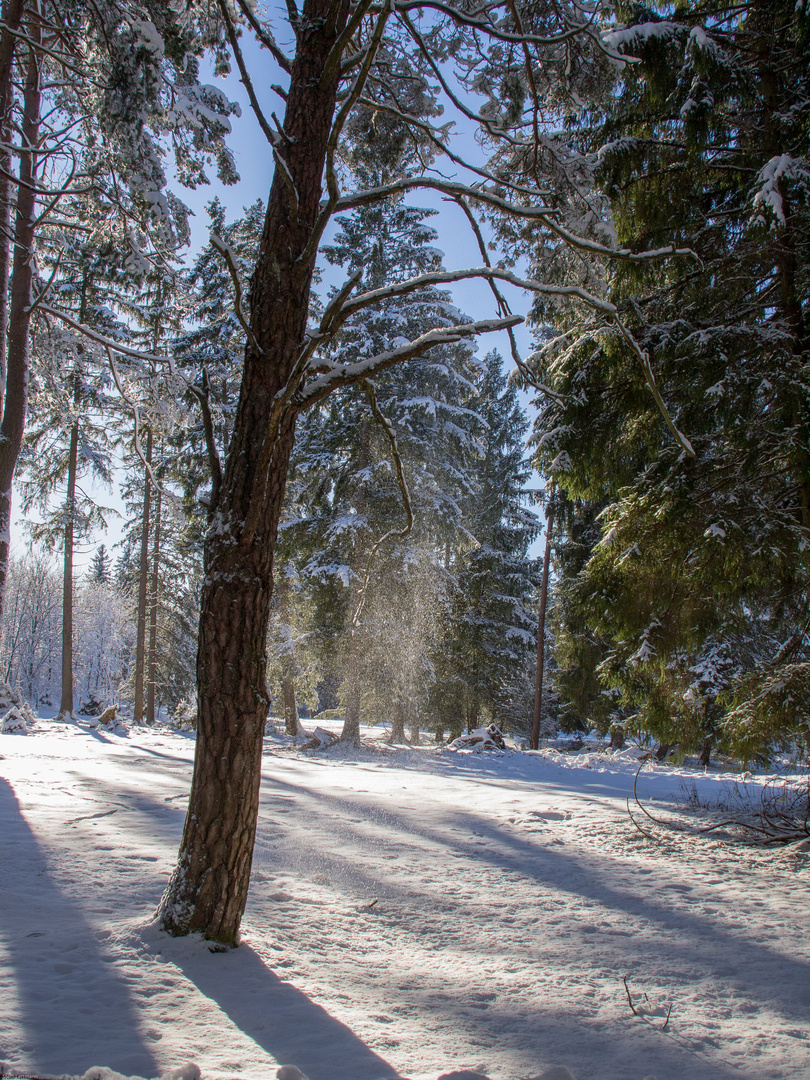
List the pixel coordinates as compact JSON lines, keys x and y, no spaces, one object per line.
{"x":100,"y":571}
{"x":345,"y":475}
{"x":68,"y":435}
{"x":210,"y":348}
{"x":704,"y":143}
{"x":492,"y":633}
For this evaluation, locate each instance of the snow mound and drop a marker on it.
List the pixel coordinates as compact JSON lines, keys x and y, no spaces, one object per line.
{"x":488,"y":738}
{"x":189,"y":1071}
{"x":13,"y":723}
{"x":19,"y":716}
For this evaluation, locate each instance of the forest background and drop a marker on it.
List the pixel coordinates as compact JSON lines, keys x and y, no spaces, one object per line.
{"x":643,"y":175}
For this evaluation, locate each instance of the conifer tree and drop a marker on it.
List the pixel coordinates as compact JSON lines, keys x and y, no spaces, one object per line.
{"x":704,"y":138}
{"x":345,"y":472}
{"x":492,"y":633}
{"x":100,"y":571}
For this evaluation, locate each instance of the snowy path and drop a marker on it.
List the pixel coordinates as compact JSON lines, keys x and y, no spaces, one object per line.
{"x":511,"y":897}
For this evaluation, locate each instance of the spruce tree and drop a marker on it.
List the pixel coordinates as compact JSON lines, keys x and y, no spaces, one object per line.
{"x":491,"y":635}
{"x":703,"y":142}
{"x":344,"y":479}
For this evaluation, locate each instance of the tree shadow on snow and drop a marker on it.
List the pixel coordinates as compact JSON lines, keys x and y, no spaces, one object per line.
{"x":695,"y":939}
{"x":280,"y":1018}
{"x":73,"y":1010}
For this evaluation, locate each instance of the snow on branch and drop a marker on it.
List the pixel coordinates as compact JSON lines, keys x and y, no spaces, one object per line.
{"x":492,"y":273}
{"x":105,"y":342}
{"x":483,"y":195}
{"x":346,"y":375}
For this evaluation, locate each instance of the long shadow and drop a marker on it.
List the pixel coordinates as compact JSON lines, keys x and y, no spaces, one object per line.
{"x":546,"y":1032}
{"x":704,"y":941}
{"x":280,"y":1018}
{"x":64,"y":982}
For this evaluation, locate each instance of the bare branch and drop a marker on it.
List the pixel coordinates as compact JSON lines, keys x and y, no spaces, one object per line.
{"x":108,"y":343}
{"x":245,"y":74}
{"x":488,"y":198}
{"x":226,"y":253}
{"x":215,"y":462}
{"x":443,"y":277}
{"x":266,"y":39}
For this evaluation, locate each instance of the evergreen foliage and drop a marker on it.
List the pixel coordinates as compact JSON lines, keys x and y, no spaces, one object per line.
{"x":697,"y":589}
{"x":492,"y":632}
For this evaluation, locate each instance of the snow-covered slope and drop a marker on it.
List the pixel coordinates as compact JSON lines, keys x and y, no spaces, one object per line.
{"x":412,"y":913}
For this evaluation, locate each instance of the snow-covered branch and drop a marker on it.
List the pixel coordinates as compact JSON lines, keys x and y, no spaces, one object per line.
{"x":348,"y":374}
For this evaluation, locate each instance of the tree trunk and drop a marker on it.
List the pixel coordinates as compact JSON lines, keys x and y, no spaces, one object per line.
{"x":616,"y":737}
{"x":208,"y":890}
{"x":143,"y":588}
{"x":66,"y":702}
{"x":706,"y":752}
{"x":12,"y":16}
{"x":15,"y":401}
{"x":153,"y":614}
{"x":416,"y":739}
{"x":397,"y":723}
{"x":351,"y":725}
{"x":291,"y":722}
{"x":541,"y":635}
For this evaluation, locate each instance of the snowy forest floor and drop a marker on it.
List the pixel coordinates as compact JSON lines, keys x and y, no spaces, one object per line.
{"x":412,"y":911}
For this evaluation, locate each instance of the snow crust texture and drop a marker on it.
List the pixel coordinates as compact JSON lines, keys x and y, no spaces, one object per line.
{"x":414,"y":913}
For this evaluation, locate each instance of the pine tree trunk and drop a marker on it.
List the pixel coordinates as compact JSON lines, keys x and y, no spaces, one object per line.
{"x":541,"y":636}
{"x":66,"y":702}
{"x":153,"y":613}
{"x":397,"y":723}
{"x":15,"y":401}
{"x":11,"y":18}
{"x":208,"y":889}
{"x":415,"y":736}
{"x":291,"y":723}
{"x":143,"y":588}
{"x":351,"y":725}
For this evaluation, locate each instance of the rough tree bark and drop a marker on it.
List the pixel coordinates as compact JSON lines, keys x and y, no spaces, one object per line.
{"x":15,"y":400}
{"x":208,"y":889}
{"x":11,"y":18}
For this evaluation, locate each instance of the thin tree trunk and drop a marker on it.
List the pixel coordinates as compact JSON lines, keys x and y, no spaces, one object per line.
{"x":66,"y":702}
{"x":153,"y":613}
{"x":397,"y":723}
{"x":208,"y":889}
{"x":351,"y":725}
{"x":415,"y":736}
{"x":291,"y":721}
{"x":15,"y":401}
{"x":541,"y":635}
{"x":143,"y":588}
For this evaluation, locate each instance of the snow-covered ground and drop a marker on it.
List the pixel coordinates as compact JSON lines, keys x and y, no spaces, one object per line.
{"x":412,"y":912}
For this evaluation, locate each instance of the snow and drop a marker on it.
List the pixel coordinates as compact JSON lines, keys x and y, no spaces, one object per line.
{"x":413,"y":913}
